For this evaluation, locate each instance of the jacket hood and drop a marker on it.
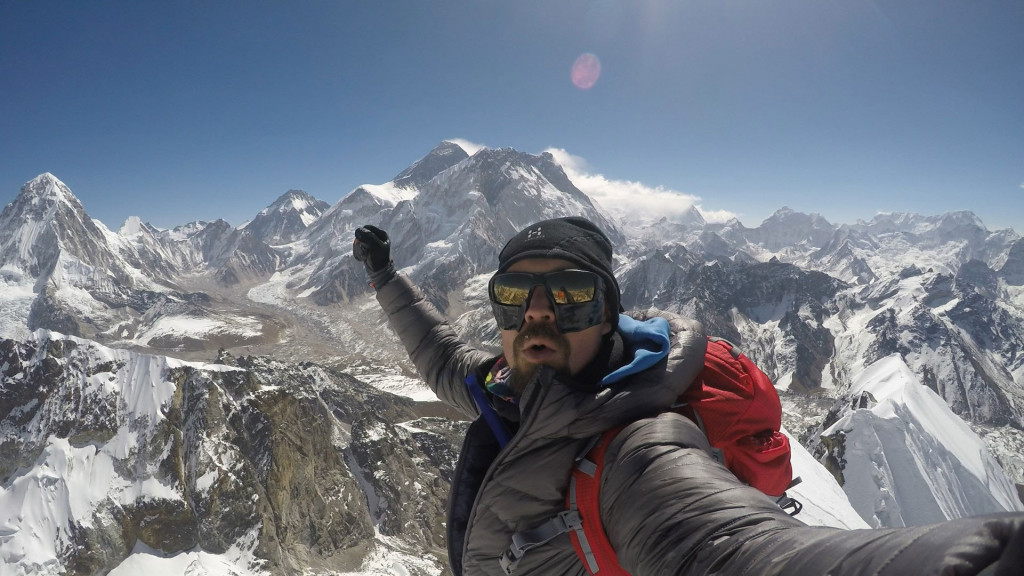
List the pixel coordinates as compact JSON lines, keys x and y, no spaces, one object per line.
{"x":647,"y":343}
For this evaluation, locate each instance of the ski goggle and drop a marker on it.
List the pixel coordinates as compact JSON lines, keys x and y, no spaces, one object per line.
{"x":577,"y":297}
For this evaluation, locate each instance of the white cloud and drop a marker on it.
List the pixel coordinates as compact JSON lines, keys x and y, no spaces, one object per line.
{"x":470,"y":147}
{"x":632,"y":200}
{"x":717,"y":216}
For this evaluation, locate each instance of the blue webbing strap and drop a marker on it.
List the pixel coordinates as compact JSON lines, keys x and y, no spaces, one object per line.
{"x":487,"y":411}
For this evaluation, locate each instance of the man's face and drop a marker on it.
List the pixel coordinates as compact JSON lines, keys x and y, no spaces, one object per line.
{"x":538,"y":340}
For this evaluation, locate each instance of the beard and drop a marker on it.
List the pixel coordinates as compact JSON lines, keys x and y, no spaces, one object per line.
{"x":523,"y":370}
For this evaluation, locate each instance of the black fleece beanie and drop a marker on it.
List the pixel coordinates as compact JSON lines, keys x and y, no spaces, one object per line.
{"x":574,"y":239}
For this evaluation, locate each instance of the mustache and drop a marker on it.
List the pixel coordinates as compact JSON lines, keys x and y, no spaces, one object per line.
{"x":524,"y":371}
{"x":542,"y":330}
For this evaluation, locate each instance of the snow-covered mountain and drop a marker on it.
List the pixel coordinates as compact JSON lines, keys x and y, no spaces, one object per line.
{"x":452,"y":226}
{"x":47,"y":234}
{"x":906,"y":459}
{"x":75,"y":266}
{"x":441,"y":158}
{"x":894,"y":342}
{"x":140,"y":287}
{"x":287,"y":218}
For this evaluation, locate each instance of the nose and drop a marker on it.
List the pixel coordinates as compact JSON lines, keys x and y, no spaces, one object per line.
{"x":539,"y":308}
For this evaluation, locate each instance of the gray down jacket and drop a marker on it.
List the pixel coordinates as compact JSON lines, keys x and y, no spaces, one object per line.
{"x":667,"y":506}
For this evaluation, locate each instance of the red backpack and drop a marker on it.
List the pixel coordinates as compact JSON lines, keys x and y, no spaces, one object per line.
{"x":736,"y":406}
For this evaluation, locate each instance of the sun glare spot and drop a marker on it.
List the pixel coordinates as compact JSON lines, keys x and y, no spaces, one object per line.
{"x":585,"y":71}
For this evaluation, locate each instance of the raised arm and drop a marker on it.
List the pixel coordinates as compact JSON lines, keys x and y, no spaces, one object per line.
{"x":440,"y":357}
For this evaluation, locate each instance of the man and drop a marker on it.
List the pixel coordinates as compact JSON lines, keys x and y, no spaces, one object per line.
{"x":572,"y":367}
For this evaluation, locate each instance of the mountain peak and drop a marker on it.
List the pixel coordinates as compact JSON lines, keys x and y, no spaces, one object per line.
{"x":786,"y":214}
{"x":962,"y":218}
{"x":41,"y":199}
{"x":442,"y":157}
{"x":787,"y":227}
{"x":960,"y":222}
{"x":48,"y":188}
{"x":447,"y":147}
{"x":294,"y":200}
{"x":287,"y":218}
{"x":46,"y":225}
{"x":45,"y":177}
{"x":497,"y":170}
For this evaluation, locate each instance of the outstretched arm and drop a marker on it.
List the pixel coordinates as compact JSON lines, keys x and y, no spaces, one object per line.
{"x":670,"y":508}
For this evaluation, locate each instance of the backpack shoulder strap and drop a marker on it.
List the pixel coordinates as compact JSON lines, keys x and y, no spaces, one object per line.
{"x":591,"y":543}
{"x":581,"y":518}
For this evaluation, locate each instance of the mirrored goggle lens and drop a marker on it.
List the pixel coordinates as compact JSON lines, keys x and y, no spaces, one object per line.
{"x":565,"y":287}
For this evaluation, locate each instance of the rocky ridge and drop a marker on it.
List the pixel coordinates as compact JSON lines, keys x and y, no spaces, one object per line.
{"x":293,"y":467}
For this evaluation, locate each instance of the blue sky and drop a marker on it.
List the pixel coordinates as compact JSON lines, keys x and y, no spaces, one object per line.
{"x":177,"y":111}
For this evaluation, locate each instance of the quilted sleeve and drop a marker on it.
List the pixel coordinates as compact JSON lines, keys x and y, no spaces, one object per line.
{"x":669,"y":508}
{"x":440,"y":357}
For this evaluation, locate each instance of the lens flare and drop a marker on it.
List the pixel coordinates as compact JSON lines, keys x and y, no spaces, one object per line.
{"x":585,"y":71}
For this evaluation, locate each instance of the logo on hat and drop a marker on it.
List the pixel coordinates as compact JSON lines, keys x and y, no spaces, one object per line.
{"x":535,"y":234}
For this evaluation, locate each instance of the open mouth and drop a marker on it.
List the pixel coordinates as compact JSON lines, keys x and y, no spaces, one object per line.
{"x":539,"y":350}
{"x":542,"y":344}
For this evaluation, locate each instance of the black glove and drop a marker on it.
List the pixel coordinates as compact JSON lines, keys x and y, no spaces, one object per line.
{"x":372,"y":247}
{"x":1012,"y":561}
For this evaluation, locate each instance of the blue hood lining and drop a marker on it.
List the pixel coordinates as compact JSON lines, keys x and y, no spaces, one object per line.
{"x":646,"y":342}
